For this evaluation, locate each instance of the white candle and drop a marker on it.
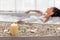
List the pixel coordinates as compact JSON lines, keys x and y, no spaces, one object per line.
{"x":5,"y":30}
{"x":33,"y":30}
{"x":58,"y":28}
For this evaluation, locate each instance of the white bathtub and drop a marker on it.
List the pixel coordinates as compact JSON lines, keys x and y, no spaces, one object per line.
{"x":14,"y":17}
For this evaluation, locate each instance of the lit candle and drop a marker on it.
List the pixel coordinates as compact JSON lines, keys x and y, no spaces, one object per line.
{"x":33,"y":30}
{"x":58,"y":28}
{"x":14,"y":29}
{"x":6,"y":29}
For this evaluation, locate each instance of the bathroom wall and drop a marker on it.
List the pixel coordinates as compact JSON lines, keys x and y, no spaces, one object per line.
{"x":57,"y":3}
{"x":7,"y":5}
{"x":44,"y":4}
{"x":23,"y":5}
{"x":18,"y":5}
{"x":34,"y":4}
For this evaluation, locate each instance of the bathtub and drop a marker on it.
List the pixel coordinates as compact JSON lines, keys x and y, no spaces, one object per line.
{"x":14,"y":17}
{"x":11,"y":17}
{"x":6,"y":19}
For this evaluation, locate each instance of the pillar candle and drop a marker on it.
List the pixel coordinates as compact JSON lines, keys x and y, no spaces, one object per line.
{"x":14,"y":29}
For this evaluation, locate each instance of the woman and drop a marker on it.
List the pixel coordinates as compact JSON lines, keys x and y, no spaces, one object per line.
{"x":51,"y":12}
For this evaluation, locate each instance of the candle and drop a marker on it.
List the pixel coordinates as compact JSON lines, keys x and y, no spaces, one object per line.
{"x":33,"y":30}
{"x":58,"y":28}
{"x":14,"y":29}
{"x":6,"y":29}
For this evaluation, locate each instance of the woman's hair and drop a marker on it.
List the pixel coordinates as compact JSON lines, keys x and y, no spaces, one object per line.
{"x":56,"y":12}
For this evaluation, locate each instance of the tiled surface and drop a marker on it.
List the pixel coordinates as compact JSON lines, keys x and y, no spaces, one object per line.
{"x":41,"y":30}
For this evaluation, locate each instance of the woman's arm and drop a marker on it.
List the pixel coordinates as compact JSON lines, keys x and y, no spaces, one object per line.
{"x":20,"y":22}
{"x":47,"y":17}
{"x":37,"y":11}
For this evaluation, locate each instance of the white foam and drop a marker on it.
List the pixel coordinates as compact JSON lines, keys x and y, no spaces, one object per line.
{"x":35,"y":19}
{"x":31,"y":19}
{"x":9,"y":18}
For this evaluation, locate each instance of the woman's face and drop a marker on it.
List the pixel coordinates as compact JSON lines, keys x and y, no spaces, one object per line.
{"x":50,"y":11}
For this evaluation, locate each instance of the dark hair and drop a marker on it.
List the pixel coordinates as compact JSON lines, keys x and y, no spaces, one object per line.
{"x":56,"y":12}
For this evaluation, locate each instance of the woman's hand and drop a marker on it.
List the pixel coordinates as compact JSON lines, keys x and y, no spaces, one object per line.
{"x":27,"y":12}
{"x":37,"y":11}
{"x":20,"y":22}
